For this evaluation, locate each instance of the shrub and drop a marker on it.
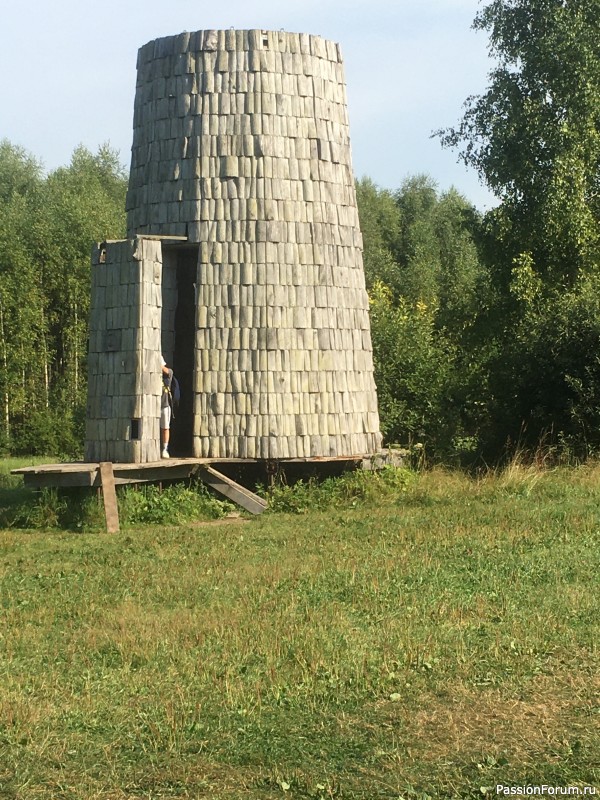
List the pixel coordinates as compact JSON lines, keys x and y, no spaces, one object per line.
{"x":80,"y":510}
{"x":350,"y":490}
{"x":171,"y":505}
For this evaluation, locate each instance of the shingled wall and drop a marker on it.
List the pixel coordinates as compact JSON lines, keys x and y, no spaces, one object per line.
{"x":124,"y":369}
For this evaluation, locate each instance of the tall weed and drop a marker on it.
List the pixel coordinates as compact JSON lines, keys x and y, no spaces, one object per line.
{"x":353,"y":489}
{"x":171,"y":505}
{"x":79,"y":509}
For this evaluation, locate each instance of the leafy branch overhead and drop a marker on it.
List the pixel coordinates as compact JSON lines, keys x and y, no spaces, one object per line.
{"x":534,"y":135}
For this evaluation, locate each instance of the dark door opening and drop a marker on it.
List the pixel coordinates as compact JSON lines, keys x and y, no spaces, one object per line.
{"x":182,"y":427}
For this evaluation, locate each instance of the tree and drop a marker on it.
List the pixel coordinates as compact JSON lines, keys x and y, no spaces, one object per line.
{"x":426,"y":287}
{"x":413,"y":368}
{"x":83,"y":203}
{"x":380,"y":225}
{"x":20,"y":173}
{"x":21,"y":304}
{"x":416,"y":248}
{"x":47,"y":226}
{"x":534,"y":136}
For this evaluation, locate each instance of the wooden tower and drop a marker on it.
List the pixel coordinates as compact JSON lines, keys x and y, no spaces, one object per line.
{"x":243,"y":263}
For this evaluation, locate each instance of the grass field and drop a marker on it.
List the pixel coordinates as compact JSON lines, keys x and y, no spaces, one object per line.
{"x":432,"y":636}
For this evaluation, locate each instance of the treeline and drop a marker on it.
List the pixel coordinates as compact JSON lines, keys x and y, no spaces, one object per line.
{"x":428,"y":289}
{"x":47,"y":226}
{"x":476,"y":352}
{"x":486,"y":328}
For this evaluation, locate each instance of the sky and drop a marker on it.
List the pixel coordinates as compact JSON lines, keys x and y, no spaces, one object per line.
{"x":68,"y":71}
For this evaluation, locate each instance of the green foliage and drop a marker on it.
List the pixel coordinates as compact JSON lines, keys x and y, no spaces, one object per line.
{"x":16,"y":502}
{"x":546,"y":380}
{"x":534,"y":135}
{"x":421,"y":244}
{"x":427,"y":288}
{"x":413,"y":365}
{"x":417,"y":247}
{"x":47,"y":226}
{"x":51,"y":509}
{"x":82,"y":510}
{"x":58,"y":430}
{"x":463,"y":282}
{"x":351,"y":490}
{"x":171,"y":505}
{"x":380,"y":225}
{"x":20,"y":173}
{"x":83,"y":203}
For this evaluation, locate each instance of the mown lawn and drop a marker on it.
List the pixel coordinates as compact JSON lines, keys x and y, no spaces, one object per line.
{"x":432,"y":638}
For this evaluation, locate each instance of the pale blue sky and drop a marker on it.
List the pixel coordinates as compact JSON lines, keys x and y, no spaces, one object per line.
{"x":67,"y":73}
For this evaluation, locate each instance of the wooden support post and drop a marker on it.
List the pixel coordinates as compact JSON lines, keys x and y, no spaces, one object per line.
{"x":271,"y":468}
{"x":232,"y":490}
{"x":109,"y":494}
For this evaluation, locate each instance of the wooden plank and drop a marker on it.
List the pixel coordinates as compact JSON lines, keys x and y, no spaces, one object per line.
{"x":41,"y":480}
{"x":109,"y":494}
{"x":158,"y":473}
{"x":77,"y":466}
{"x":87,"y":474}
{"x":232,"y":490}
{"x":154,"y":236}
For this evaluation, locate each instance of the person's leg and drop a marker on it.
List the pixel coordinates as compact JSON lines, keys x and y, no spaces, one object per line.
{"x":165,"y":424}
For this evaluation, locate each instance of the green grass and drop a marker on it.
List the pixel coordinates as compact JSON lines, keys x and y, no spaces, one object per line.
{"x":422,"y":637}
{"x":17,"y":504}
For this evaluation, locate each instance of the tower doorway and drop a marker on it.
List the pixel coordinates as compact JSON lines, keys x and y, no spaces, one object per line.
{"x":180,"y":266}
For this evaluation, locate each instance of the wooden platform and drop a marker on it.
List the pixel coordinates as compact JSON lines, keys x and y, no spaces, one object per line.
{"x":107,"y":475}
{"x":80,"y":473}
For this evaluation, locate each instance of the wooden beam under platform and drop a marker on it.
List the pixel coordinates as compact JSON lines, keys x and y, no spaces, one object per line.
{"x":109,"y":495}
{"x":232,"y":490}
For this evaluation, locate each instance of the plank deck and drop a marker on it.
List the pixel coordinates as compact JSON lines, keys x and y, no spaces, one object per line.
{"x":97,"y":475}
{"x":87,"y":473}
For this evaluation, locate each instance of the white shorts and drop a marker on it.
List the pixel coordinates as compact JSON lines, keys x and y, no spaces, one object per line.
{"x":165,"y":418}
